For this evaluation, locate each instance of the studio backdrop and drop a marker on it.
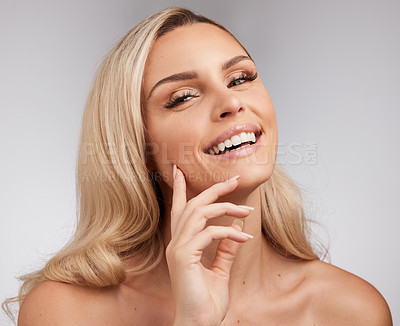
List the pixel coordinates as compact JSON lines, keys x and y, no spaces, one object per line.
{"x":331,"y":68}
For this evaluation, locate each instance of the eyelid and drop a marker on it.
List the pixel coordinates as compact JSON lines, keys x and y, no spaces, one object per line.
{"x":173,"y":100}
{"x":243,"y":66}
{"x":247,"y":75}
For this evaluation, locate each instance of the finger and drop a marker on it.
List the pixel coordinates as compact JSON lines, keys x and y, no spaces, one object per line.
{"x":178,"y":197}
{"x":226,"y":252}
{"x":202,"y":214}
{"x":203,"y":239}
{"x":217,"y":190}
{"x":208,"y":196}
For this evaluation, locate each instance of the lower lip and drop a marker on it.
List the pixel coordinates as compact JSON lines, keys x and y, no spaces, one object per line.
{"x":239,"y":152}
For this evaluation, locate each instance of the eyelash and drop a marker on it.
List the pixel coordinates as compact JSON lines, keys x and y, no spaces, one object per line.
{"x":181,"y":98}
{"x":243,"y":76}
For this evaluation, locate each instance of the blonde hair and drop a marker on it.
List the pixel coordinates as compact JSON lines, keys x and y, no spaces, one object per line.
{"x":118,"y":204}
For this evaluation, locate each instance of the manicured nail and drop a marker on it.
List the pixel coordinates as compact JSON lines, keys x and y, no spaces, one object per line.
{"x":248,"y":235}
{"x":174,"y":171}
{"x":238,"y":222}
{"x":178,"y":175}
{"x":233,"y":178}
{"x":247,"y":207}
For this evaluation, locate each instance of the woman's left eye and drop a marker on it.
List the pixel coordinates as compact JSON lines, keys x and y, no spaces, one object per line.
{"x":242,"y":78}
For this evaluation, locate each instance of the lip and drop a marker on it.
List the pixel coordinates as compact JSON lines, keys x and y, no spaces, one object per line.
{"x":235,"y":154}
{"x":234,"y":130}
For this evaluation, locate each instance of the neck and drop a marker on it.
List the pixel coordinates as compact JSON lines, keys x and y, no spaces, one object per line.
{"x":257,"y":267}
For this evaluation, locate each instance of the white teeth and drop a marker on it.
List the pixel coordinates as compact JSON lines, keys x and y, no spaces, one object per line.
{"x":228,"y":143}
{"x":243,"y":137}
{"x":236,"y":140}
{"x":233,"y":141}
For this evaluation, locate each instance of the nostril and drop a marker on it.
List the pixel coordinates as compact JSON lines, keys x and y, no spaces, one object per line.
{"x":233,"y":111}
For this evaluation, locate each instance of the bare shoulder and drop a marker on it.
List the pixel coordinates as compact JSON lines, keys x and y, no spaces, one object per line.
{"x":341,"y":298}
{"x":57,"y":303}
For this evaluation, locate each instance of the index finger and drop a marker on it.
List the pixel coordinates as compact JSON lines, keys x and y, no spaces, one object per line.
{"x":178,"y":197}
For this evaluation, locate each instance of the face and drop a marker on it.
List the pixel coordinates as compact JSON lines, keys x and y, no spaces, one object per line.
{"x":207,"y":111}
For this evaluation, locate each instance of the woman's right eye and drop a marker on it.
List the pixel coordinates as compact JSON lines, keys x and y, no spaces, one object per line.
{"x":179,"y":99}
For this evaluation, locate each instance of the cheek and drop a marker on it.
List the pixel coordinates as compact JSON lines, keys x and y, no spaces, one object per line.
{"x":266,"y":106}
{"x":172,"y":141}
{"x":263,"y":108}
{"x":261,"y":105}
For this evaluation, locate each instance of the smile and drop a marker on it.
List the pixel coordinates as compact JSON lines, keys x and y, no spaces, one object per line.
{"x":234,"y":139}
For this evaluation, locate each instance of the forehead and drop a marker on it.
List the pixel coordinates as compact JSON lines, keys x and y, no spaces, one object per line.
{"x":189,"y":48}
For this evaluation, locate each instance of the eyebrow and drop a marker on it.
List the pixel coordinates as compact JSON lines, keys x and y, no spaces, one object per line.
{"x":188,"y":75}
{"x":235,"y":60}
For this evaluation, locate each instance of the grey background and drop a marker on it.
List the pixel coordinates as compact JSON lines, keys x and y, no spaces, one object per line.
{"x":332,"y":70}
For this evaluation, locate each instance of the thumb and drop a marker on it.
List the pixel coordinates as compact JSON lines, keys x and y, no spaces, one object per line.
{"x":226,"y":253}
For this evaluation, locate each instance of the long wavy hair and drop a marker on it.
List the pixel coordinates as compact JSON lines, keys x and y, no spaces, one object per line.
{"x":119,"y":210}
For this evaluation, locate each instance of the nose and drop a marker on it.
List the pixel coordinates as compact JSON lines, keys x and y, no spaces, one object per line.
{"x":227,"y":105}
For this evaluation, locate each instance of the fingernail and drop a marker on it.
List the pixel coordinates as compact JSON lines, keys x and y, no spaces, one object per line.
{"x":174,"y":171}
{"x":178,"y":175}
{"x":238,"y":222}
{"x":247,"y":207}
{"x":248,"y":235}
{"x":233,"y":178}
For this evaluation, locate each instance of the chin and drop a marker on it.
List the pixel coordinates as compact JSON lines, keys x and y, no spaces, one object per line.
{"x":251,"y":177}
{"x":254,"y":177}
{"x":254,"y":163}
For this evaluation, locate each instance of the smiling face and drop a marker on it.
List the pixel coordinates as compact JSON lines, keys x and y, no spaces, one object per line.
{"x":206,"y":110}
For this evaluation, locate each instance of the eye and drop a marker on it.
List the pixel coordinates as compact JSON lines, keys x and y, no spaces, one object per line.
{"x":180,"y":99}
{"x":242,"y":78}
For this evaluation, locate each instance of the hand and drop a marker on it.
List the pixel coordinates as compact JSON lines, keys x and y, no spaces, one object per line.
{"x":201,"y":295}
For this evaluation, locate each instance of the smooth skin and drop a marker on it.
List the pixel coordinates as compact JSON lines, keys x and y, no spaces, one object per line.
{"x":201,"y":295}
{"x":213,"y":274}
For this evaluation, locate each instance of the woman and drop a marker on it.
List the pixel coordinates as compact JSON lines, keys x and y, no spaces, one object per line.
{"x":177,"y":156}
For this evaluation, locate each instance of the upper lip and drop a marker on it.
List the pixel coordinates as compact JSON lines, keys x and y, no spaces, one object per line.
{"x":234,"y":130}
